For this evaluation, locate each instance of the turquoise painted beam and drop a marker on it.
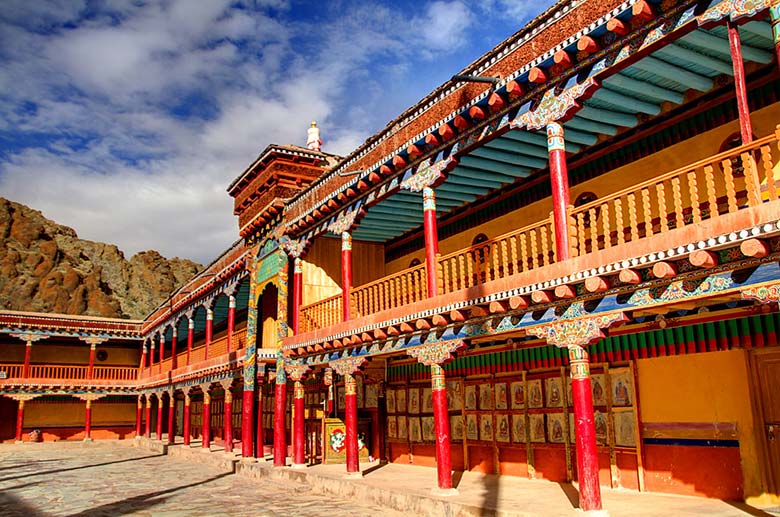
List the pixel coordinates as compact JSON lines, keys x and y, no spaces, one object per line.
{"x":591,"y":126}
{"x":580,"y":137}
{"x":494,"y":167}
{"x":478,"y":191}
{"x":668,"y":71}
{"x":707,"y":40}
{"x":454,"y":197}
{"x":456,"y":178}
{"x":478,"y":172}
{"x":758,"y":28}
{"x":645,"y":88}
{"x":402,"y":212}
{"x":510,"y":158}
{"x":626,"y":102}
{"x":606,"y":116}
{"x":395,"y":215}
{"x":387,"y":225}
{"x":515,"y":146}
{"x":540,"y":139}
{"x":714,"y":64}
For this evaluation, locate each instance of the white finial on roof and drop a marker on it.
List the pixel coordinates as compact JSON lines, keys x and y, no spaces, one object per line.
{"x":313,"y":141}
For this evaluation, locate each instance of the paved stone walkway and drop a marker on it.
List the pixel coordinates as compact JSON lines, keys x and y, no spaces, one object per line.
{"x":107,"y":479}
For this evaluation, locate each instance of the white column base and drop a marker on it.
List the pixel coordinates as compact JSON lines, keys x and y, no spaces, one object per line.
{"x":87,"y":439}
{"x":444,"y":491}
{"x":353,"y":475}
{"x":299,"y":466}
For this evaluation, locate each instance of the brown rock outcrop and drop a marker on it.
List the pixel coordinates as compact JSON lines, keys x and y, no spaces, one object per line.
{"x":45,"y":267}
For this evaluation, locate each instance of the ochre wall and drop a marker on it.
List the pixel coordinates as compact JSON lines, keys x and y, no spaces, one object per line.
{"x":671,"y":158}
{"x":322,"y":267}
{"x":701,"y":388}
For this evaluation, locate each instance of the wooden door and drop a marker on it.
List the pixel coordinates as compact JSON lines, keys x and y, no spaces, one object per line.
{"x":767,"y":368}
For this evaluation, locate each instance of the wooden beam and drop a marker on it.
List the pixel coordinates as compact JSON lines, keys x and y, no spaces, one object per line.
{"x":422,"y":324}
{"x":432,"y":140}
{"x":496,"y":102}
{"x":643,"y":11}
{"x":756,"y":248}
{"x":565,"y":292}
{"x":587,"y":44}
{"x":617,"y":26}
{"x":664,"y":269}
{"x":399,"y":162}
{"x":497,"y":307}
{"x":541,"y":297}
{"x":366,"y":338}
{"x":413,"y":151}
{"x":380,"y":334}
{"x":629,"y":276}
{"x":703,"y":259}
{"x":596,"y":284}
{"x":460,"y":122}
{"x":458,"y":316}
{"x":438,"y":320}
{"x":518,"y":302}
{"x":405,"y":328}
{"x":476,"y":113}
{"x":537,"y":75}
{"x":392,"y":331}
{"x":446,"y":132}
{"x":478,"y":312}
{"x":514,"y":89}
{"x":562,"y":58}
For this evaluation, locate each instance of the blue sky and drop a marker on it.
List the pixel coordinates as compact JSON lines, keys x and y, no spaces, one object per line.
{"x":126,"y":120}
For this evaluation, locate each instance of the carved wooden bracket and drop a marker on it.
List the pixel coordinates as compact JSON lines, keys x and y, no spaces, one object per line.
{"x":347,"y":365}
{"x":436,"y":353}
{"x":575,"y":332}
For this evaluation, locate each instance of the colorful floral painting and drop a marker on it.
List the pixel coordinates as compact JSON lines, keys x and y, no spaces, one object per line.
{"x":415,"y":432}
{"x":501,"y":395}
{"x":486,"y":428}
{"x":518,"y":395}
{"x":427,"y":400}
{"x":553,"y":388}
{"x":502,"y":427}
{"x":597,"y":388}
{"x":456,"y":427}
{"x":428,"y":429}
{"x":537,"y":428}
{"x":471,"y":396}
{"x":518,"y":429}
{"x":556,"y":427}
{"x":472,"y":433}
{"x":390,"y":401}
{"x":414,"y":400}
{"x":535,"y":399}
{"x":455,"y":395}
{"x":485,"y":397}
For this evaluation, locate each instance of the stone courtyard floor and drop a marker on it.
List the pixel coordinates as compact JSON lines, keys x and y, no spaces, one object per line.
{"x":107,"y":479}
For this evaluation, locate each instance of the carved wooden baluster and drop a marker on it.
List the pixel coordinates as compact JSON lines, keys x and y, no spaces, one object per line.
{"x":679,"y":220}
{"x":494,"y":251}
{"x":621,"y":235}
{"x":513,"y":254}
{"x":462,"y":273}
{"x":534,"y":250}
{"x":712,"y":199}
{"x":728,"y":176}
{"x":505,"y":259}
{"x":470,"y":258}
{"x":594,"y":233}
{"x":605,"y":225}
{"x":545,"y":245}
{"x":660,"y":191}
{"x":693,"y":190}
{"x":523,"y":252}
{"x":390,"y":293}
{"x":769,"y":172}
{"x":632,"y":219}
{"x":647,"y":212}
{"x":752,"y":183}
{"x":581,"y":237}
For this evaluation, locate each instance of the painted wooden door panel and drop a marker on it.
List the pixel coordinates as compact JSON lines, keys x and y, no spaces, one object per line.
{"x":768,"y":367}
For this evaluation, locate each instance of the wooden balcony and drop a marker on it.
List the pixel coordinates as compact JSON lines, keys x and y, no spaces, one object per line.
{"x":655,"y":215}
{"x":67,"y":374}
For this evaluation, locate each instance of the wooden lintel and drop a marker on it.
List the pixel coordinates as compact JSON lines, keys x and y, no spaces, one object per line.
{"x":478,"y":312}
{"x":458,"y":316}
{"x":664,"y":269}
{"x":498,"y":307}
{"x":518,"y":302}
{"x":630,"y":276}
{"x":755,"y":248}
{"x":541,"y":296}
{"x":703,"y":258}
{"x":565,"y":292}
{"x":439,"y":320}
{"x":596,"y":284}
{"x":422,"y":324}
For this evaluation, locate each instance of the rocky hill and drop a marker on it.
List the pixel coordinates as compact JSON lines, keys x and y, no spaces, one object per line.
{"x":45,"y":267}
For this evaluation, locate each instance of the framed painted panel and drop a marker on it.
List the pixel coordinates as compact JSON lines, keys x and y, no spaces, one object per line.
{"x":556,"y":427}
{"x":502,"y":427}
{"x":535,"y":399}
{"x":625,"y":432}
{"x":537,"y":428}
{"x":486,"y":428}
{"x":392,"y":427}
{"x":427,"y":400}
{"x":501,"y":395}
{"x":622,"y":387}
{"x":415,"y":432}
{"x":518,"y":428}
{"x":554,"y":389}
{"x":390,"y":400}
{"x":600,"y":423}
{"x":485,"y":397}
{"x":518,"y":394}
{"x":455,"y":395}
{"x":456,"y":427}
{"x":472,"y":433}
{"x":597,"y":387}
{"x":403,"y":429}
{"x":471,"y":397}
{"x":400,"y":400}
{"x":414,"y":401}
{"x":428,"y":429}
{"x":372,"y":395}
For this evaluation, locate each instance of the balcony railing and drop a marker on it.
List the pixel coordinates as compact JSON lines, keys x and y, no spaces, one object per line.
{"x":63,"y":372}
{"x":719,"y":185}
{"x":217,"y":348}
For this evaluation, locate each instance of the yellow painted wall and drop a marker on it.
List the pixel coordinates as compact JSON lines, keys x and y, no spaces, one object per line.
{"x":71,"y":412}
{"x":671,"y":158}
{"x":708,"y":387}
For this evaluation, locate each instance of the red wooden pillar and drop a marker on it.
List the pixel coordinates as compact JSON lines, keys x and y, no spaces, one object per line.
{"x":159,"y":416}
{"x":299,"y":426}
{"x":280,"y":416}
{"x":231,"y":322}
{"x":171,"y":418}
{"x":329,"y":387}
{"x":190,"y":337}
{"x":228,"y":419}
{"x":143,"y":359}
{"x":247,"y":419}
{"x":350,"y":422}
{"x":346,"y":274}
{"x":88,"y":421}
{"x":441,"y":422}
{"x":584,"y":430}
{"x":151,"y":357}
{"x":297,"y":294}
{"x":206,"y":428}
{"x":148,"y":430}
{"x":186,"y":430}
{"x":259,"y":429}
{"x":162,"y":352}
{"x":19,"y":421}
{"x":559,"y":179}
{"x":745,"y":126}
{"x":27,"y":354}
{"x":174,"y":339}
{"x":91,"y":367}
{"x":376,"y":435}
{"x":431,"y":239}
{"x":209,"y":331}
{"x":138,"y":417}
